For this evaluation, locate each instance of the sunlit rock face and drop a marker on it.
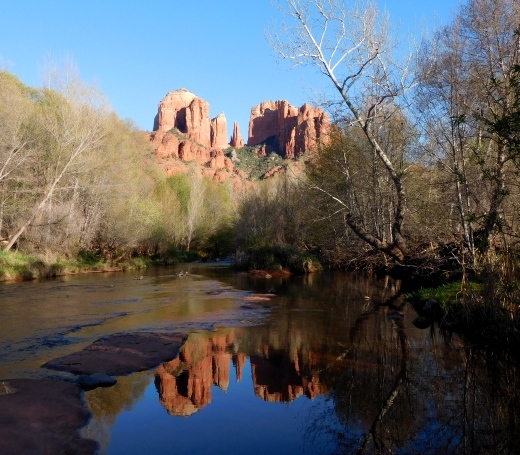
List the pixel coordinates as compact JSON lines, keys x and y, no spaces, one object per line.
{"x":187,"y":113}
{"x":286,"y":129}
{"x":236,"y":138}
{"x":219,"y":132}
{"x":183,"y":131}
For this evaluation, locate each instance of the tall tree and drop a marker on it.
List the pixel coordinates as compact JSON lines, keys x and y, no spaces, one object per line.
{"x":353,"y":48}
{"x":469,"y":86}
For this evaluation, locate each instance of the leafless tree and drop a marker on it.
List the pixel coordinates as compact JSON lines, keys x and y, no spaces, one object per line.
{"x":468,"y":73}
{"x":353,"y":48}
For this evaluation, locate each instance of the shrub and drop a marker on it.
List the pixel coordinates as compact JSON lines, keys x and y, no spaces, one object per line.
{"x":276,"y":257}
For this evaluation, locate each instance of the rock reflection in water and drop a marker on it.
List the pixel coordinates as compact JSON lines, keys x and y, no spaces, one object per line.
{"x":184,"y":384}
{"x":391,"y":387}
{"x":354,"y":376}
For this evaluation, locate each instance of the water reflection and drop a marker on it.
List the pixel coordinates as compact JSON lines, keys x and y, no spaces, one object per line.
{"x":336,"y":367}
{"x":371,"y":381}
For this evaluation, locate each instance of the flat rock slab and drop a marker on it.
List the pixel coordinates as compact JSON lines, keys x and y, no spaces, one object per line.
{"x":42,"y":416}
{"x":122,"y":354}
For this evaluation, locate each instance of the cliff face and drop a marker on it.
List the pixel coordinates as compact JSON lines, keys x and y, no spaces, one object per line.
{"x":236,"y":138}
{"x":183,"y":131}
{"x":287,"y":129}
{"x":219,"y":132}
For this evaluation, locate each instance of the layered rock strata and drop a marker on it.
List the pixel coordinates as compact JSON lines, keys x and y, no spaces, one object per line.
{"x":286,"y":129}
{"x":183,"y":132}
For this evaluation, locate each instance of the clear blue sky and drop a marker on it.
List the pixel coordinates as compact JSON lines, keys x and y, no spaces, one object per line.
{"x":137,"y":51}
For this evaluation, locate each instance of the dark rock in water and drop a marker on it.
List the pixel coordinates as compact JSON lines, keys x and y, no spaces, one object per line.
{"x":42,"y":416}
{"x":431,"y":305}
{"x":122,"y":354}
{"x":394,"y":314}
{"x":104,"y":380}
{"x":89,"y":382}
{"x":86,"y":382}
{"x":422,"y":322}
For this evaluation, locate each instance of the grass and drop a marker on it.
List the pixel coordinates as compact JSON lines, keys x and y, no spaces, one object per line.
{"x":483,"y":311}
{"x":20,"y":266}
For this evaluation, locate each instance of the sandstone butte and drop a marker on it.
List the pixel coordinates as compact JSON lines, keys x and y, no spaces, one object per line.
{"x":183,"y":132}
{"x":286,"y":129}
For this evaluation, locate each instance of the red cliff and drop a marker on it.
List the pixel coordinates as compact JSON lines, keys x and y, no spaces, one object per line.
{"x":219,"y":132}
{"x":236,"y":138}
{"x":287,"y":129}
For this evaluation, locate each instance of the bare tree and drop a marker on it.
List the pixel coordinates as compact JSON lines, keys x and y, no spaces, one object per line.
{"x":71,"y":126}
{"x":468,"y":86}
{"x":353,"y":48}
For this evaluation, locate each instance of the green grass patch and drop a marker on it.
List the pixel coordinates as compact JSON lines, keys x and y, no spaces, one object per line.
{"x":20,"y":266}
{"x":453,"y":293}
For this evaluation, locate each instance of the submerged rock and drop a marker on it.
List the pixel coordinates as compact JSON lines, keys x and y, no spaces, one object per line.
{"x":422,"y":322}
{"x":89,"y":382}
{"x":121,"y":354}
{"x":42,"y":416}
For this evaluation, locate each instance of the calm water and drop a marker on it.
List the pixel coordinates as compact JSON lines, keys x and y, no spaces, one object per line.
{"x":332,"y":368}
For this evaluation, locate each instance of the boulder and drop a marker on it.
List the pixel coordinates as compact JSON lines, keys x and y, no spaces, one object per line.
{"x":43,"y":416}
{"x":89,"y":382}
{"x":121,"y":354}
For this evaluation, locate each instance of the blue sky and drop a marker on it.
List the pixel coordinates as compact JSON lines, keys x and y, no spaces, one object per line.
{"x":137,"y":51}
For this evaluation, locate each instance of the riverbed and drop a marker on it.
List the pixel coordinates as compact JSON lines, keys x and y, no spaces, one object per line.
{"x":332,"y":363}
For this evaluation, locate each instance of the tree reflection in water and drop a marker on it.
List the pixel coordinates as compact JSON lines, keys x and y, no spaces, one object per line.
{"x":390,"y":387}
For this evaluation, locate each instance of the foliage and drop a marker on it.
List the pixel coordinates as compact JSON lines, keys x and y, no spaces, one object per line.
{"x":248,"y":161}
{"x":276,"y":258}
{"x":77,"y":180}
{"x":20,"y":266}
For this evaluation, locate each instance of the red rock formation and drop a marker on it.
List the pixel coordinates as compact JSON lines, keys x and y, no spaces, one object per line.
{"x":219,"y":132}
{"x":286,"y":129}
{"x":172,"y":110}
{"x":236,"y":138}
{"x":219,"y":161}
{"x":184,"y":132}
{"x":183,"y":110}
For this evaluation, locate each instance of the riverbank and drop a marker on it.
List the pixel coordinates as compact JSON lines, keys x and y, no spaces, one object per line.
{"x":21,"y":266}
{"x":481,"y":311}
{"x":42,"y":411}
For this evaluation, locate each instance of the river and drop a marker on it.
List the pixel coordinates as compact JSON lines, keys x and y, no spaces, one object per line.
{"x":331,"y":364}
